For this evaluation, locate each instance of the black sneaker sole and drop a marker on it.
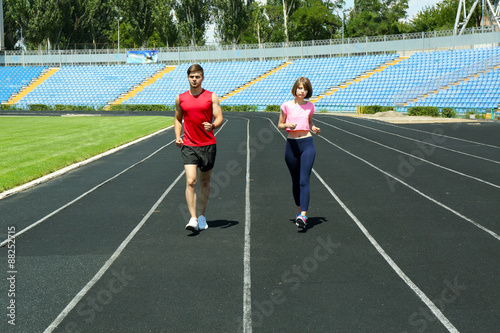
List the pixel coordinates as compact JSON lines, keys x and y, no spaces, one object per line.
{"x":190,"y":228}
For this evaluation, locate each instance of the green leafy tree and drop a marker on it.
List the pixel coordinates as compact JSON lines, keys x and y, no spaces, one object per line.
{"x":139,"y":16}
{"x":442,"y":16}
{"x":192,"y":17}
{"x":58,"y":23}
{"x":167,"y":33}
{"x":376,"y":17}
{"x":97,"y":21}
{"x":258,"y":30}
{"x":87,"y":22}
{"x":314,"y":21}
{"x":231,"y":19}
{"x":40,"y":20}
{"x":274,"y":13}
{"x":279,"y":12}
{"x":13,"y":29}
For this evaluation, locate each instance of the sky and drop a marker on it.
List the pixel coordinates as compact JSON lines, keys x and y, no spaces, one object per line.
{"x":414,"y":6}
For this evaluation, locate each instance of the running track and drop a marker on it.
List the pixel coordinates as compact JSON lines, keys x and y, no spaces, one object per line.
{"x":403,"y":237}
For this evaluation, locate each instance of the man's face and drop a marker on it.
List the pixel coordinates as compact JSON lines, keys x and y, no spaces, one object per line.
{"x":195,"y":79}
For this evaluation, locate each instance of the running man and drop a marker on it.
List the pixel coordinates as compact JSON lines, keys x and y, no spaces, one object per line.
{"x":200,"y":109}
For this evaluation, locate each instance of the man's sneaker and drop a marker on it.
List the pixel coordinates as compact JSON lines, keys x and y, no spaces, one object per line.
{"x":192,"y":224}
{"x":301,"y":221}
{"x":202,"y":223}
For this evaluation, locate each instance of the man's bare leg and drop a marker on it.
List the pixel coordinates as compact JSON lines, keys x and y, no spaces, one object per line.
{"x":204,"y":190}
{"x":191,"y":179}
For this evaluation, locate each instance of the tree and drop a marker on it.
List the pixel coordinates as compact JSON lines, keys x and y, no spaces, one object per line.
{"x":139,"y":15}
{"x":192,"y":17}
{"x":96,"y":20}
{"x":442,"y":17}
{"x":40,"y":21}
{"x":258,"y":29}
{"x":86,"y":21}
{"x":376,"y":17}
{"x":165,"y":26}
{"x":314,"y":20}
{"x":57,"y":23}
{"x":288,"y":7}
{"x":231,"y":18}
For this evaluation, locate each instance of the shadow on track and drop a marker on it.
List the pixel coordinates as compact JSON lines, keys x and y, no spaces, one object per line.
{"x":223,"y":224}
{"x":311,"y":223}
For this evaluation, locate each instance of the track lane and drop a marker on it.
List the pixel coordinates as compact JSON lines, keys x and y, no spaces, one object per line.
{"x":301,"y":288}
{"x":182,"y":281}
{"x":439,"y":184}
{"x":434,"y":248}
{"x":64,"y":190}
{"x":58,"y":257}
{"x":297,"y":284}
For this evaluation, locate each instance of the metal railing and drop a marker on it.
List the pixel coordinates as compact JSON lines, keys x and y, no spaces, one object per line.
{"x":331,"y":47}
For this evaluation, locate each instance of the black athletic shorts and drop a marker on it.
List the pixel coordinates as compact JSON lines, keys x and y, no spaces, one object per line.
{"x":203,"y":157}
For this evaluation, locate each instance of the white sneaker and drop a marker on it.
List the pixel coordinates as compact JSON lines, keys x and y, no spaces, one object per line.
{"x":192,"y":224}
{"x":202,"y":223}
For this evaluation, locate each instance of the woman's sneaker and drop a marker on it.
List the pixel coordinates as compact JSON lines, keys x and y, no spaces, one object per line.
{"x":192,"y":224}
{"x":301,"y":221}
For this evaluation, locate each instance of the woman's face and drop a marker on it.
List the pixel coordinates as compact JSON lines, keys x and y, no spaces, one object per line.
{"x":301,"y":91}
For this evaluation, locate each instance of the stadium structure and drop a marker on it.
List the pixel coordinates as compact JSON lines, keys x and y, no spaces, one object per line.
{"x":442,"y":69}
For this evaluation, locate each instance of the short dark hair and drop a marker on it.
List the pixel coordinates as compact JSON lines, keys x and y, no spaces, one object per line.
{"x":307,"y":85}
{"x":195,"y":68}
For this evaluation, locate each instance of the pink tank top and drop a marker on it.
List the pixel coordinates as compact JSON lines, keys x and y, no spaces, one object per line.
{"x":298,"y":114}
{"x":197,"y":110}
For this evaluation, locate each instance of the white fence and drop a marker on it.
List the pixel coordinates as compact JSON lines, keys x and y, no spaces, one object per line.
{"x":402,"y":44}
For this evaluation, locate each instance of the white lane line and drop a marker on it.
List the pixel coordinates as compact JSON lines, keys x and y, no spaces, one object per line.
{"x":423,"y":142}
{"x":417,"y":191}
{"x":423,"y":297}
{"x":413,"y":156}
{"x":5,"y":242}
{"x":247,"y":281}
{"x":110,"y":261}
{"x":76,"y":165}
{"x":388,"y":259}
{"x":432,"y":133}
{"x":81,"y":196}
{"x":115,"y":255}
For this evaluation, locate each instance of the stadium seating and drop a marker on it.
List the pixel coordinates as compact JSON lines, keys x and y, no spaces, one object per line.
{"x":380,"y":88}
{"x":323,"y":73}
{"x":220,"y":77}
{"x":13,"y":78}
{"x":97,"y":86}
{"x":479,"y":92}
{"x":91,"y":86}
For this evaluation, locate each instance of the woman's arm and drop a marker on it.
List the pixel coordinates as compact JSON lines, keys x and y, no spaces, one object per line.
{"x":281,"y":123}
{"x":313,"y":128}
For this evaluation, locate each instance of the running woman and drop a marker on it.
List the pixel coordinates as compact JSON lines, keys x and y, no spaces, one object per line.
{"x":202,"y":113}
{"x":296,"y":118}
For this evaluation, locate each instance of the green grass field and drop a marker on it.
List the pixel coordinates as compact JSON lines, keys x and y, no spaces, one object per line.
{"x":32,"y":147}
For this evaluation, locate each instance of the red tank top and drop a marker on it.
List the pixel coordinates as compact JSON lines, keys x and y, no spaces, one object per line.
{"x":196,"y":110}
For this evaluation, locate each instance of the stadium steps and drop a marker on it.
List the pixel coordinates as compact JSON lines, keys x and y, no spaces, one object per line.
{"x":32,"y":85}
{"x":147,"y":82}
{"x":456,"y":83}
{"x":263,"y":76}
{"x":358,"y":78}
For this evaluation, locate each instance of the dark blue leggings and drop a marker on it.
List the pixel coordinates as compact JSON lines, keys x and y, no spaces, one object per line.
{"x":299,"y":157}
